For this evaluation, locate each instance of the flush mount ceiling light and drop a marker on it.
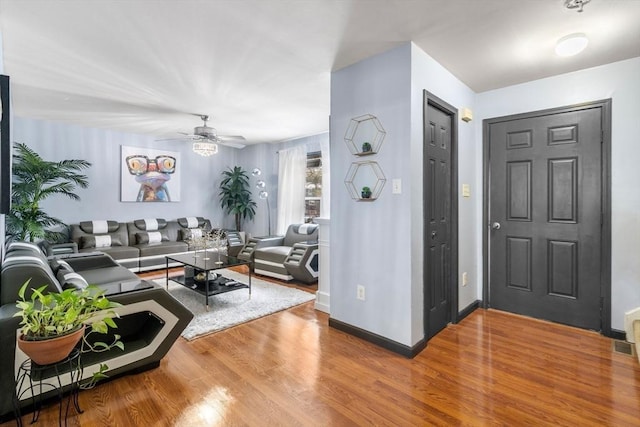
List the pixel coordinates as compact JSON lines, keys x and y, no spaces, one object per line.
{"x":571,"y":44}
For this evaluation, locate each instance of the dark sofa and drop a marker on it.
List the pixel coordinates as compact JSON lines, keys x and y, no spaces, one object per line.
{"x":142,"y":244}
{"x":150,"y":319}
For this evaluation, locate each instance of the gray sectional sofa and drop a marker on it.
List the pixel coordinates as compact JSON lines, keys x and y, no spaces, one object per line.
{"x":150,"y":319}
{"x":142,"y":244}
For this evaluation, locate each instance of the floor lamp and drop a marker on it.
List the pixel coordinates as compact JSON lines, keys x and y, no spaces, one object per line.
{"x":264,"y":195}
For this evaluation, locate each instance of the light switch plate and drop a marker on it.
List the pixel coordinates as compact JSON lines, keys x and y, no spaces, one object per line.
{"x":396,"y":185}
{"x":466,"y":190}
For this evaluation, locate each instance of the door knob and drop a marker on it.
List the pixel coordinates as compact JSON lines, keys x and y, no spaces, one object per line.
{"x":434,"y":234}
{"x":495,"y":226}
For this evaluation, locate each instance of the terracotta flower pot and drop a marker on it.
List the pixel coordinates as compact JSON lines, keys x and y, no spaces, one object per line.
{"x":47,"y":351}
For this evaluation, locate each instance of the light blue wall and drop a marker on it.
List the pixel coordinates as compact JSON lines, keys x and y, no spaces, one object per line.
{"x":621,"y":82}
{"x":380,"y":244}
{"x":371,"y":241}
{"x":54,"y":141}
{"x":265,"y":157}
{"x":369,"y":250}
{"x":200,"y":176}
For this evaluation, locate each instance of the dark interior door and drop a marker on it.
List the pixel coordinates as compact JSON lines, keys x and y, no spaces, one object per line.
{"x":545,"y":211}
{"x":437,"y":184}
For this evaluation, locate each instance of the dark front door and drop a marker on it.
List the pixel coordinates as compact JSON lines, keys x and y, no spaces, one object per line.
{"x":545,"y":212}
{"x":437,"y":224}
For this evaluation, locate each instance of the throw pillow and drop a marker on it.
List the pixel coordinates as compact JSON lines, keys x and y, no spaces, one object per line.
{"x":100,"y":241}
{"x":73,"y":281}
{"x":57,"y":264}
{"x":69,"y":278}
{"x":191,"y":233}
{"x":151,"y":237}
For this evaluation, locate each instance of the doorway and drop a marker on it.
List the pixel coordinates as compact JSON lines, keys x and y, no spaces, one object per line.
{"x":547,"y":215}
{"x":440,"y":206}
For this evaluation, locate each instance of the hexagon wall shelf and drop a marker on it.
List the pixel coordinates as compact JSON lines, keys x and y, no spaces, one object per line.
{"x":365,"y":135}
{"x":365,"y":174}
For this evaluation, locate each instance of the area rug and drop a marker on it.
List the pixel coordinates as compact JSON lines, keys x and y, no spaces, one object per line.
{"x":233,"y":308}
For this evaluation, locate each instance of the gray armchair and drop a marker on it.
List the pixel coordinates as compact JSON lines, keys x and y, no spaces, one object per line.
{"x":293,"y":256}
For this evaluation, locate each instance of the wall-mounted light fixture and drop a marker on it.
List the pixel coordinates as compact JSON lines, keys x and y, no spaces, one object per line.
{"x":466,"y":115}
{"x":264,"y":195}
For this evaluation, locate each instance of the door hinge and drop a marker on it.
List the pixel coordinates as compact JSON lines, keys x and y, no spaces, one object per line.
{"x":601,"y":312}
{"x":602,"y":136}
{"x":601,"y":308}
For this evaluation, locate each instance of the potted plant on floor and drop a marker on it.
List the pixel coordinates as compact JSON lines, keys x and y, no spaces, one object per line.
{"x":34,"y":180}
{"x":53,"y":323}
{"x":235,"y":195}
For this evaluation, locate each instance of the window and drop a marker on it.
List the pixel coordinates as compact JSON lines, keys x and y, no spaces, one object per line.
{"x":313,"y":186}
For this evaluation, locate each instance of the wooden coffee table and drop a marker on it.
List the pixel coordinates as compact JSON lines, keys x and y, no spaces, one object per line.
{"x":206,"y":261}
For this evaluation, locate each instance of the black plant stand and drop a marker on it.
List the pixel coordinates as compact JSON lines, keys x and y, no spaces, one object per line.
{"x":39,"y":379}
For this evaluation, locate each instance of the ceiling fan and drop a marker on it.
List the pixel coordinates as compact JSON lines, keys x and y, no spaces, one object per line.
{"x":206,"y":139}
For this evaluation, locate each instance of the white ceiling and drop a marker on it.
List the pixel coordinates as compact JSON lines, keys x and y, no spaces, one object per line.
{"x":261,"y":68}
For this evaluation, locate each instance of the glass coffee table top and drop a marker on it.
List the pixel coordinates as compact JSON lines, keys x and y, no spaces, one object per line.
{"x":207,"y":260}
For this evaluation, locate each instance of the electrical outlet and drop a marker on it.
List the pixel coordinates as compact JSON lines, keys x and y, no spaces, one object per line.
{"x":360,"y":292}
{"x":465,"y":279}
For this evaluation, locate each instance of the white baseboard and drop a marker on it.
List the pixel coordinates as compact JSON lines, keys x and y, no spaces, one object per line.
{"x":322,"y":302}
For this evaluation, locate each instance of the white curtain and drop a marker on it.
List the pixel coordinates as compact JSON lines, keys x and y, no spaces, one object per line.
{"x":292,"y":176}
{"x":325,"y":200}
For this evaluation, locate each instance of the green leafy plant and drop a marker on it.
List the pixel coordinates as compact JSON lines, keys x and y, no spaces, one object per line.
{"x":235,"y":195}
{"x":50,"y":315}
{"x":366,"y":192}
{"x":366,"y":147}
{"x":34,"y":180}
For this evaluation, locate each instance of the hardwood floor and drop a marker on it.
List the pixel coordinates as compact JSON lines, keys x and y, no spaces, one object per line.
{"x":291,"y":369}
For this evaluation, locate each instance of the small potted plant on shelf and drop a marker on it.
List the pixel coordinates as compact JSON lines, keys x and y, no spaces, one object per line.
{"x":366,"y":193}
{"x":53,"y":323}
{"x":366,"y":147}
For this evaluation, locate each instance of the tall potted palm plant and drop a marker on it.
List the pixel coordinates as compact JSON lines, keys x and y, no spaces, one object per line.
{"x":34,"y":180}
{"x":235,"y":195}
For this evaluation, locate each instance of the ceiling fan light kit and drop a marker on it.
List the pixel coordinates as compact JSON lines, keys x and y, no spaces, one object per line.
{"x":205,"y":139}
{"x":205,"y":148}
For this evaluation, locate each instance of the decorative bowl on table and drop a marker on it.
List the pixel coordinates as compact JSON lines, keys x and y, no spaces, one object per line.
{"x":200,"y":280}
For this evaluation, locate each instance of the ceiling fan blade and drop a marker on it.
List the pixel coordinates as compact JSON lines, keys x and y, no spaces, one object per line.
{"x":230,"y":143}
{"x":186,"y":137}
{"x":208,"y":133}
{"x":231,"y":138}
{"x":171,"y":139}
